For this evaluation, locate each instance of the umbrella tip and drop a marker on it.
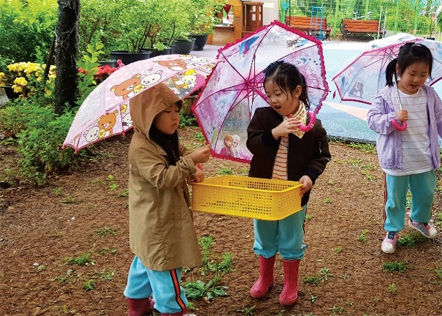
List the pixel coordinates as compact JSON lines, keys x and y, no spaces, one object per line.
{"x":334,"y":94}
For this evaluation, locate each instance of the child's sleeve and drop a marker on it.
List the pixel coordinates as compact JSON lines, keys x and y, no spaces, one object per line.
{"x":258,"y":134}
{"x":379,"y":118}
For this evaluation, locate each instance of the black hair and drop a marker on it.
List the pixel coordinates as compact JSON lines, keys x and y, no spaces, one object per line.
{"x":287,"y":77}
{"x":169,"y":142}
{"x":409,"y":54}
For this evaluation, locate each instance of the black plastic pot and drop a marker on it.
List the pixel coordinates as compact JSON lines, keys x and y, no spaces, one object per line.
{"x":10,"y":92}
{"x":155,"y":52}
{"x":200,"y":41}
{"x":183,"y":46}
{"x":128,"y":57}
{"x":112,"y":63}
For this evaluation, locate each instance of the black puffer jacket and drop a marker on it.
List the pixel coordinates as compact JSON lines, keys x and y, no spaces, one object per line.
{"x":306,"y":156}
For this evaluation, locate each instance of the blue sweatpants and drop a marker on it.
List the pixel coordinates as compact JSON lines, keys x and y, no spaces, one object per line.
{"x":285,"y":236}
{"x":422,"y":187}
{"x":164,"y":286}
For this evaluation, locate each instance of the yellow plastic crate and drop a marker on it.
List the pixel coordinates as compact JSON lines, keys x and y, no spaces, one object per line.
{"x":268,"y":199}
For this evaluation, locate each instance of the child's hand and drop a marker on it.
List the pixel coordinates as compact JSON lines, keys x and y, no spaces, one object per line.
{"x":198,"y":176}
{"x":286,"y":127}
{"x":201,"y":154}
{"x":307,"y":184}
{"x":402,"y":115}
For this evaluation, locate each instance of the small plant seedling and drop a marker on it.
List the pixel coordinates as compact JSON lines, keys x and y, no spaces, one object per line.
{"x":69,"y":200}
{"x":105,"y":231}
{"x":363,"y":236}
{"x":103,"y":251}
{"x":226,"y":171}
{"x":66,"y":278}
{"x":83,"y":260}
{"x":438,"y":273}
{"x":312,"y":298}
{"x":337,"y":249}
{"x":315,"y":279}
{"x":58,"y":191}
{"x":124,"y":193}
{"x":392,"y":288}
{"x":199,"y":136}
{"x":308,"y":217}
{"x":337,"y":310}
{"x":328,"y":201}
{"x":394,"y":266}
{"x":89,"y":285}
{"x":246,"y":310}
{"x":105,"y":274}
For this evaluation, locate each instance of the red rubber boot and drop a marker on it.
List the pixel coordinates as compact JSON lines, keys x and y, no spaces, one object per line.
{"x":140,"y":307}
{"x":289,"y":293}
{"x":265,"y":280}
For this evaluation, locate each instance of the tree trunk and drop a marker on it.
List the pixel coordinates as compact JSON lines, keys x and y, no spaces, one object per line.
{"x":66,"y":54}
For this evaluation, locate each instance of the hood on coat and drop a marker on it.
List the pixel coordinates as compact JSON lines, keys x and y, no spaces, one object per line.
{"x":148,"y":104}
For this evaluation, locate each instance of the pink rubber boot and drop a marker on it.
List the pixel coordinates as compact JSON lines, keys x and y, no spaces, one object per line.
{"x":289,"y":293}
{"x":140,"y":307}
{"x":265,"y":280}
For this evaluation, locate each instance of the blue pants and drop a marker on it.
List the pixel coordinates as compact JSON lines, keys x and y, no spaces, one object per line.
{"x":422,"y":187}
{"x":164,"y":286}
{"x":285,"y":236}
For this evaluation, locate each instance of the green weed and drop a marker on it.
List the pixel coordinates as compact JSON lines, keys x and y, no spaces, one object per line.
{"x":199,"y":137}
{"x":392,"y":288}
{"x":69,"y":200}
{"x":225,"y":171}
{"x":394,"y":266}
{"x":58,"y":191}
{"x":315,"y":279}
{"x":103,"y":251}
{"x":366,"y":148}
{"x":337,"y":310}
{"x":83,"y":260}
{"x":246,"y":310}
{"x":337,"y":249}
{"x":102,"y":232}
{"x":363,"y":236}
{"x":208,"y":290}
{"x":89,"y":285}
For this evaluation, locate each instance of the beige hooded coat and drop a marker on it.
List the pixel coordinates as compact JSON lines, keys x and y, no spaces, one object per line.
{"x":161,"y":227}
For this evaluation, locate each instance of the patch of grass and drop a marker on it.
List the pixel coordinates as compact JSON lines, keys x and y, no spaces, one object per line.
{"x":105,"y":274}
{"x":224,"y":171}
{"x":83,"y":260}
{"x":89,"y":285}
{"x":199,"y":137}
{"x":337,"y":249}
{"x":363,"y":236}
{"x":411,"y":240}
{"x":392,"y":288}
{"x":103,"y":251}
{"x":102,"y":232}
{"x":246,"y":310}
{"x":366,"y":148}
{"x":69,"y":200}
{"x":315,"y":279}
{"x":69,"y":276}
{"x":395,"y":266}
{"x":58,"y":191}
{"x":337,"y":310}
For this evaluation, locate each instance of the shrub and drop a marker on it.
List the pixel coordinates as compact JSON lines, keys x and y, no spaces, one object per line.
{"x":40,"y":144}
{"x":27,"y":29}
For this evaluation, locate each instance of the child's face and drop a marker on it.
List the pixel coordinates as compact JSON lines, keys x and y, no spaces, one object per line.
{"x":168,"y":121}
{"x":413,"y":77}
{"x":281,"y":102}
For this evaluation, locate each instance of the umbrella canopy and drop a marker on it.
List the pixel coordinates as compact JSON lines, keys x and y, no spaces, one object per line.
{"x":362,"y":78}
{"x":106,"y":111}
{"x":235,"y":89}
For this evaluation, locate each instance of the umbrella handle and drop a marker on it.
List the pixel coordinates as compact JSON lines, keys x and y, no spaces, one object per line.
{"x":309,"y":126}
{"x":399,"y":126}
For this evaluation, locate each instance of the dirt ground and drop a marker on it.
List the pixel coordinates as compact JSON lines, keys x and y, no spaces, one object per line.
{"x":82,"y":214}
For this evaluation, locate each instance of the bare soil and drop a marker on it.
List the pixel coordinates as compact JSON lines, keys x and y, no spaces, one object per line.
{"x":42,"y":228}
